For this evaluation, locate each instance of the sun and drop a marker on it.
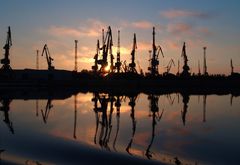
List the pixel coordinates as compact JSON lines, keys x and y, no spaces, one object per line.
{"x":107,"y":68}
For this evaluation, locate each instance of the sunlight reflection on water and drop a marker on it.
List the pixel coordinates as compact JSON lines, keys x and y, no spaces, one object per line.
{"x":152,"y":127}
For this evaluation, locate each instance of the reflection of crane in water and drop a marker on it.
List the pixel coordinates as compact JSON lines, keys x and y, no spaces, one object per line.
{"x":118,"y":106}
{"x":108,"y":133}
{"x":154,"y":113}
{"x":37,"y":108}
{"x":231,"y":99}
{"x":170,"y":99}
{"x":47,"y":110}
{"x":5,"y":108}
{"x":104,"y":122}
{"x":185,"y":107}
{"x":204,"y":107}
{"x":75,"y":117}
{"x":132,"y":103}
{"x":96,"y":110}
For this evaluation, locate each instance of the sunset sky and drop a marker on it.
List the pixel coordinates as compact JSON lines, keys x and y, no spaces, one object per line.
{"x":58,"y":23}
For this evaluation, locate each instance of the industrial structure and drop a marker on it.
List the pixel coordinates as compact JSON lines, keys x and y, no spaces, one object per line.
{"x":154,"y":59}
{"x":199,"y":70}
{"x":6,"y":61}
{"x":132,"y":65}
{"x":205,"y":73}
{"x":118,"y":64}
{"x":95,"y":66}
{"x":48,"y":57}
{"x":185,"y":72}
{"x":232,"y":68}
{"x":76,"y":57}
{"x":169,"y":66}
{"x":106,"y":70}
{"x":106,"y":48}
{"x":37,"y":60}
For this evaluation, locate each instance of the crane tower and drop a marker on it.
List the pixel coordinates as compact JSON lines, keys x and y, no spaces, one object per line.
{"x":132,"y":65}
{"x":6,"y":61}
{"x":204,"y":62}
{"x":76,"y":57}
{"x":186,"y":68}
{"x":118,"y":63}
{"x":154,"y":59}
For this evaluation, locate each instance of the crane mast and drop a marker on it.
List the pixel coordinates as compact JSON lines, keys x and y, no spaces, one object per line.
{"x":199,"y":70}
{"x":95,"y":66}
{"x":76,"y":57}
{"x":6,"y":61}
{"x":132,"y":65}
{"x":48,"y":57}
{"x":37,"y":60}
{"x":186,"y":68}
{"x":232,"y":68}
{"x":118,"y":63}
{"x":204,"y":62}
{"x":106,"y":49}
{"x":154,"y":60}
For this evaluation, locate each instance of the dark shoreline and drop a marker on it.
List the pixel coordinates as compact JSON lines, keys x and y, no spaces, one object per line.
{"x":60,"y":84}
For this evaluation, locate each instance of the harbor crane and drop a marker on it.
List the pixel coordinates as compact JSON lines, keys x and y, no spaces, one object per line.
{"x":48,"y":57}
{"x":118,"y":63}
{"x":106,"y":49}
{"x":154,"y":59}
{"x":132,"y":65}
{"x":47,"y":111}
{"x":169,"y":66}
{"x":204,"y":62}
{"x":6,"y":61}
{"x":95,"y":66}
{"x":76,"y":56}
{"x":186,"y":68}
{"x":199,"y":70}
{"x":232,"y":68}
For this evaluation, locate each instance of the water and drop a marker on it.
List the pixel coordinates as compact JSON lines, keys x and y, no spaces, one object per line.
{"x":152,"y":127}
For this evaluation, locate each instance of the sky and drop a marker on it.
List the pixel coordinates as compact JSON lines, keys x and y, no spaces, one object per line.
{"x":57,"y":23}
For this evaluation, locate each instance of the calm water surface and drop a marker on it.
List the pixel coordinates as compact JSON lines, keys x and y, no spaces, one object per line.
{"x":191,"y":129}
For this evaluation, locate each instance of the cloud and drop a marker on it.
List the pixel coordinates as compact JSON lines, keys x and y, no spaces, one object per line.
{"x":178,"y":28}
{"x":90,"y":28}
{"x":66,"y":31}
{"x":142,"y":24}
{"x":144,"y":46}
{"x":188,"y":30}
{"x":205,"y":31}
{"x":171,"y":14}
{"x":123,"y":50}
